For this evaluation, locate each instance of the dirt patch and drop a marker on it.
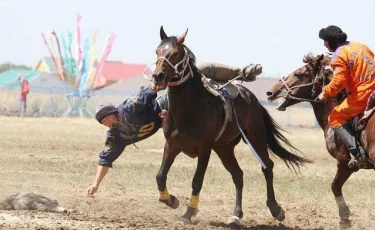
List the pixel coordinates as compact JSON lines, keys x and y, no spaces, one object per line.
{"x":58,"y":158}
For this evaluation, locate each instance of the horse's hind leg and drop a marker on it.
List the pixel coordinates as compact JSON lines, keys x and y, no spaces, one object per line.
{"x":227,"y":157}
{"x":276,"y":210}
{"x":257,"y":138}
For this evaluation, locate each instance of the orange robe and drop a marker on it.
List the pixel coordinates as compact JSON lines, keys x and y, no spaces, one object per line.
{"x":353,"y":69}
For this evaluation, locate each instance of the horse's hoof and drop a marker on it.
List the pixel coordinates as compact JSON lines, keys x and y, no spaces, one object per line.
{"x":345,"y":224}
{"x":184,"y":221}
{"x":172,"y":202}
{"x":281,"y":216}
{"x":176,"y":202}
{"x":234,"y":220}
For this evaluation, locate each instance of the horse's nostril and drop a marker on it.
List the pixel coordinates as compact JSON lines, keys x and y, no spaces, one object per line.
{"x":269,"y":93}
{"x":161,"y":75}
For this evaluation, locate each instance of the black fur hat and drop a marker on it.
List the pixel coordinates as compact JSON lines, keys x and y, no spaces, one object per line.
{"x":333,"y":34}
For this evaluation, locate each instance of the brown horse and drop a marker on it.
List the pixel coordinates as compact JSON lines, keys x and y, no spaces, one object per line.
{"x":195,"y":119}
{"x":304,"y":84}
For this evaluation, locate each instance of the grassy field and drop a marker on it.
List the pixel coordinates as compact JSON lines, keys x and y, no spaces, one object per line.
{"x":58,"y":158}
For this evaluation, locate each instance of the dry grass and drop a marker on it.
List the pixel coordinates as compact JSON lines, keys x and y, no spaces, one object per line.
{"x":58,"y":158}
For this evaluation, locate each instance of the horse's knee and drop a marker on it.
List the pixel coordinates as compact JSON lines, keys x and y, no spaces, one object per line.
{"x":269,"y":165}
{"x":161,"y":179}
{"x":240,"y":173}
{"x":268,"y":171}
{"x":197,"y":184}
{"x":335,"y":189}
{"x":238,"y":177}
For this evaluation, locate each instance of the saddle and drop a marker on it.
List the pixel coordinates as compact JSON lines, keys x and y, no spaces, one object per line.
{"x":226,"y":91}
{"x":223,"y":90}
{"x":359,"y":124}
{"x":360,"y":121}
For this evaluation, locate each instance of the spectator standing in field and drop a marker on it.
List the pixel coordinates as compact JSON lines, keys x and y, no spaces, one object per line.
{"x":25,"y":88}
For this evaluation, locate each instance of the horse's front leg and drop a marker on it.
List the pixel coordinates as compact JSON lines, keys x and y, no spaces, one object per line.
{"x":192,"y":209}
{"x":342,"y":175}
{"x":169,"y":155}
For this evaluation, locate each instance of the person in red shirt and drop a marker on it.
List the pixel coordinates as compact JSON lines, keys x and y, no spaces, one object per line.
{"x":25,"y":88}
{"x":353,"y":68}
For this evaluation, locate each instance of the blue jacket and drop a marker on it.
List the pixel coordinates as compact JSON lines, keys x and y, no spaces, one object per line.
{"x":141,"y":120}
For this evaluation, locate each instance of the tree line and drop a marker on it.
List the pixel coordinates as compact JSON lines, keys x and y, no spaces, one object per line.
{"x":8,"y":65}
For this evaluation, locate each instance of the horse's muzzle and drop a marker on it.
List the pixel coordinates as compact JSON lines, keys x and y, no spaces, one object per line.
{"x":159,"y":80}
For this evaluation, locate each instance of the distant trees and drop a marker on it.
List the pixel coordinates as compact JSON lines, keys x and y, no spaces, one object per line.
{"x":8,"y":65}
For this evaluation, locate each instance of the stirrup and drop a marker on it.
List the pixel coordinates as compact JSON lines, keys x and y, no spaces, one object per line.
{"x":357,"y":162}
{"x":353,"y":163}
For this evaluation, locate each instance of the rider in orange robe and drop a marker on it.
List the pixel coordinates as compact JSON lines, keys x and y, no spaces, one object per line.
{"x":353,"y":69}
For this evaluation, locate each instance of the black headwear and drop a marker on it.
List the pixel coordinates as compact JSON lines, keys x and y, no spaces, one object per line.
{"x":104,"y":111}
{"x":333,"y":35}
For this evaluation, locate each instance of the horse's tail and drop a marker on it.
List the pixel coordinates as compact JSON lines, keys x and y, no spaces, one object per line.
{"x":273,"y":143}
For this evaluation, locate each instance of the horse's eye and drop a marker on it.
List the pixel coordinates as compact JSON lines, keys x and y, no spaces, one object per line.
{"x":173,"y":55}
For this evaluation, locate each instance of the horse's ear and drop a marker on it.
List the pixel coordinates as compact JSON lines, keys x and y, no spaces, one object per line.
{"x":319,"y":60}
{"x":307,"y":58}
{"x":318,"y":64}
{"x":321,"y":57}
{"x":163,"y":35}
{"x":181,"y":39}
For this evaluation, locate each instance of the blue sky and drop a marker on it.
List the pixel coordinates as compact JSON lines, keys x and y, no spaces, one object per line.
{"x":273,"y":33}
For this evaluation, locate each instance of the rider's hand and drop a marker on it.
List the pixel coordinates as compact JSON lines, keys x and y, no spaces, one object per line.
{"x":164,"y":113}
{"x":322,"y":96}
{"x":91,"y":190}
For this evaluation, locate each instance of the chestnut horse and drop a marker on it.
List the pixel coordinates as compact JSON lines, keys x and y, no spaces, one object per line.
{"x":195,"y":119}
{"x":304,"y":84}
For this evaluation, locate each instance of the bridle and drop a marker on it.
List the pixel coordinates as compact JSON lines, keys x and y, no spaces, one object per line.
{"x":185,"y":63}
{"x":317,"y":83}
{"x":289,"y":91}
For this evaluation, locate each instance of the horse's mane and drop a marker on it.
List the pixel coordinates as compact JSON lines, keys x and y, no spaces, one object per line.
{"x":311,"y":59}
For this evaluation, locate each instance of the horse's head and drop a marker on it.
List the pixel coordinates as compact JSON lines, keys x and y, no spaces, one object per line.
{"x":173,"y":61}
{"x":303,"y":84}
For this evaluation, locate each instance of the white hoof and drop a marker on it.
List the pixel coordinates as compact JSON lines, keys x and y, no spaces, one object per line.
{"x":184,"y":221}
{"x":60,"y":210}
{"x":234,"y":220}
{"x":345,"y":224}
{"x":281,"y":215}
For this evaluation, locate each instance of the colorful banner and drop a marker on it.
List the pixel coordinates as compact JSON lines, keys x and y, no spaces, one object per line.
{"x":90,"y":75}
{"x":85,"y":66}
{"x":78,"y":44}
{"x":79,"y":68}
{"x":67,"y":59}
{"x":107,"y":50}
{"x":50,"y":52}
{"x":61,"y":64}
{"x":73,"y":64}
{"x":58,"y":63}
